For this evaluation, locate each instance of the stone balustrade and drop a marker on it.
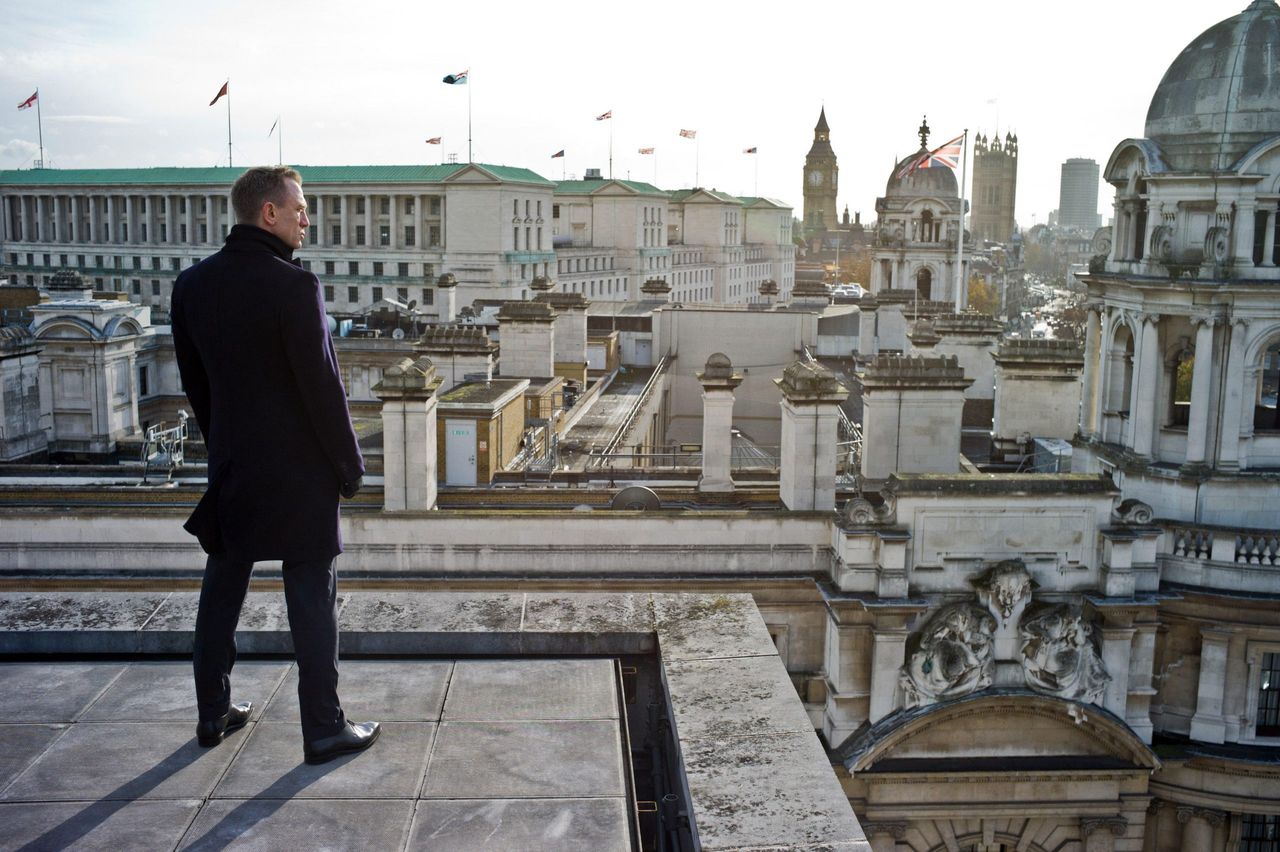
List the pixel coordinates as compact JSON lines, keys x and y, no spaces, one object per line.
{"x":1220,"y":557}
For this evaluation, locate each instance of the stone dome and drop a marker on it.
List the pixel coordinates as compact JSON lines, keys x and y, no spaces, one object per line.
{"x":1220,"y":97}
{"x":939,"y":182}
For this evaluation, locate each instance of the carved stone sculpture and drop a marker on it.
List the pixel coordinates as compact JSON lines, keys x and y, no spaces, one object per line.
{"x":1005,"y":589}
{"x":953,"y":657}
{"x":1060,"y":655}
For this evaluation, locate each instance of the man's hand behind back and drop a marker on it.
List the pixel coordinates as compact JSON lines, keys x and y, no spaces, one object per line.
{"x":349,"y":489}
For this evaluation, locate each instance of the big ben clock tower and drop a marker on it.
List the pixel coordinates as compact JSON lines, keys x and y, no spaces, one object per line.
{"x":821,"y":176}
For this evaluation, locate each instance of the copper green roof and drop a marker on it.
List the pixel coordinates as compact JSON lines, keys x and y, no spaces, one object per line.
{"x":223,"y":176}
{"x":682,"y":194}
{"x":586,"y":187}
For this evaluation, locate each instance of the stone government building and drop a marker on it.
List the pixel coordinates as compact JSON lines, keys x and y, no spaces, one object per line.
{"x":993,"y":660}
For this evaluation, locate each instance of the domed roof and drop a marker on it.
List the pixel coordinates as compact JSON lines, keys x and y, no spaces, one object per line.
{"x":938,"y":182}
{"x":1220,"y":97}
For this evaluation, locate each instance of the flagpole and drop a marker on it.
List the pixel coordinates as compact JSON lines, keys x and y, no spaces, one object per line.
{"x":964,"y":169}
{"x":229,"y":163}
{"x":468,"y":81}
{"x":755,"y":187}
{"x":279,"y":142}
{"x":40,"y":128}
{"x":697,"y":152}
{"x":610,"y":143}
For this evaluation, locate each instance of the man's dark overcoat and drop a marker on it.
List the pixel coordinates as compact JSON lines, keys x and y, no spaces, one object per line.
{"x":258,"y":366}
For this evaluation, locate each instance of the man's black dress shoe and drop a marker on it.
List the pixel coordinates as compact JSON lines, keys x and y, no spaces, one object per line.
{"x":210,"y":733}
{"x":354,"y":737}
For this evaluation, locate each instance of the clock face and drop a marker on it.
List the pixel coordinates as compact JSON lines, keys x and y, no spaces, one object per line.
{"x":815,"y":178}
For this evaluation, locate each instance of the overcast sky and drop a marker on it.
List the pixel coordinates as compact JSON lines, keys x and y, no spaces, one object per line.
{"x":127,"y":83}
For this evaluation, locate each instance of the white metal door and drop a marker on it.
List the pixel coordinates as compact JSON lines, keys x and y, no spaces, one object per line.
{"x":644,"y":353}
{"x":460,"y":452}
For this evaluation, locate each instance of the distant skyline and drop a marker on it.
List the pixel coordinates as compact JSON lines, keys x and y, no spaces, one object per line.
{"x":127,"y":84}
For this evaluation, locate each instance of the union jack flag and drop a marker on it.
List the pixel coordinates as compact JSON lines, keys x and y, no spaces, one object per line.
{"x":947,"y":154}
{"x":646,"y":150}
{"x":689,"y":134}
{"x":604,"y":115}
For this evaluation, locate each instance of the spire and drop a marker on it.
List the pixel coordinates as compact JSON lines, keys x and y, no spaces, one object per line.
{"x":924,"y":133}
{"x":822,"y":122}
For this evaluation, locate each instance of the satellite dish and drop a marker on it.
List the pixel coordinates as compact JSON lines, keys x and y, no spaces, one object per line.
{"x":636,"y":498}
{"x":413,"y":303}
{"x":398,"y":334}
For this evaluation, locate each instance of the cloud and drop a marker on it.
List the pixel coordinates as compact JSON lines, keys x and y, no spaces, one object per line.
{"x":92,"y":119}
{"x":19,"y":150}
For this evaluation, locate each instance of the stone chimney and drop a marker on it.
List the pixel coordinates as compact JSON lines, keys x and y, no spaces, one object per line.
{"x":718,"y":383}
{"x":408,"y":394}
{"x":911,"y":410}
{"x":810,"y":397}
{"x":447,"y":292}
{"x":768,"y":291}
{"x":571,"y":331}
{"x":810,"y":290}
{"x":527,"y":340}
{"x":460,"y":353}
{"x":68,"y":285}
{"x":922,"y":336}
{"x":1037,"y":393}
{"x":656,"y":290}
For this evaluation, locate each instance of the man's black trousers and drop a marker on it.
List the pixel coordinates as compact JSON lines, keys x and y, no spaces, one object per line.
{"x":310,"y":591}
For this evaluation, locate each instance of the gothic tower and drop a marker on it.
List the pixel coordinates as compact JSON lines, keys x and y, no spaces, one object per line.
{"x":995,"y":187}
{"x":820,"y":179}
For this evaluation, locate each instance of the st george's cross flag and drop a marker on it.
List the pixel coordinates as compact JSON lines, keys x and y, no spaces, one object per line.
{"x":434,"y":140}
{"x":689,"y":134}
{"x":604,"y":115}
{"x":947,"y":154}
{"x":459,"y":79}
{"x":646,"y":150}
{"x":223,"y":91}
{"x":29,"y":102}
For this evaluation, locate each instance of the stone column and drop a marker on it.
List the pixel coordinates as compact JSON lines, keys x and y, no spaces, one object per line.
{"x":191,"y":219}
{"x":131,"y":216}
{"x":6,"y":202}
{"x":1099,"y":833}
{"x":1093,"y":367}
{"x":41,"y":229}
{"x":884,"y":836}
{"x":171,"y":219}
{"x":368,"y":221}
{"x":1198,"y":825}
{"x":113,"y":220}
{"x":149,"y":217}
{"x":408,"y":394}
{"x":1201,"y":379}
{"x":1208,"y":725}
{"x":73,"y":218}
{"x":57,"y":232}
{"x":210,"y":220}
{"x":1116,"y":647}
{"x":810,"y":396}
{"x":318,"y":218}
{"x":1233,"y":397}
{"x":888,"y":653}
{"x":718,"y":384}
{"x":95,"y":233}
{"x":1146,"y":377}
{"x":1242,"y":225}
{"x":393,"y":220}
{"x":345,"y":220}
{"x":1269,"y":237}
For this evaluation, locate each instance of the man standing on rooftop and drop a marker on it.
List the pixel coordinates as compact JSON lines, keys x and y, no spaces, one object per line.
{"x":258,"y":365}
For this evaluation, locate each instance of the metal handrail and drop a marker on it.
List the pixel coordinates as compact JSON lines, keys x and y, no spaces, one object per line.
{"x":622,"y":431}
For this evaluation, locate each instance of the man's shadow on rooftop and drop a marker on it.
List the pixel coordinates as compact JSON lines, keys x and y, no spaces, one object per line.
{"x":251,"y":811}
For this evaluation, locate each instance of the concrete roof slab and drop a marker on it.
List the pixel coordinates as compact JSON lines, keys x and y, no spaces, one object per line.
{"x":104,"y":825}
{"x":510,"y":690}
{"x":530,"y":825}
{"x":386,"y":690}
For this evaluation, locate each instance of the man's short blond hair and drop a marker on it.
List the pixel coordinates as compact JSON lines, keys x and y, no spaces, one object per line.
{"x":256,"y":187}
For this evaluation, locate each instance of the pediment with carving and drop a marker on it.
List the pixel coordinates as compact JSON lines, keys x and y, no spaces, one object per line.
{"x":1004,"y":638}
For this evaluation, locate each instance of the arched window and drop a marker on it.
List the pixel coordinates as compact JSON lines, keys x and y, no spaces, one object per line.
{"x":1265,"y":411}
{"x":1120,"y":372}
{"x":924,"y":282}
{"x":928,"y":231}
{"x":1180,"y":387}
